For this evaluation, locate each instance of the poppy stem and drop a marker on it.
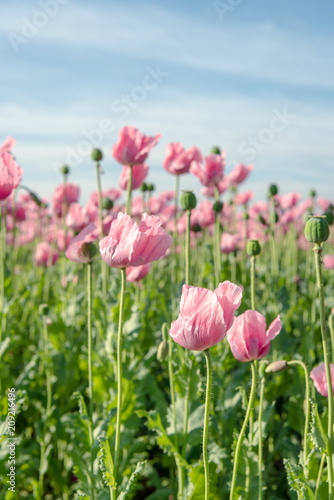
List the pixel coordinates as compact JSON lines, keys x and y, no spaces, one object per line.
{"x":243,"y":429}
{"x":119,"y":375}
{"x":90,"y":376}
{"x":318,"y":265}
{"x":206,"y":423}
{"x":188,"y":246}
{"x":217,"y":253}
{"x":128,"y":193}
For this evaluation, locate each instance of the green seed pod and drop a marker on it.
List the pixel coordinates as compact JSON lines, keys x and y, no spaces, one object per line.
{"x":277,"y":366}
{"x":273,"y":189}
{"x":196,"y":228}
{"x":188,"y":200}
{"x":107,"y":203}
{"x":143,"y":187}
{"x":215,"y":150}
{"x":150,"y":187}
{"x":96,"y":155}
{"x":246,"y":216}
{"x":89,"y":250}
{"x":329,"y":216}
{"x":65,"y":169}
{"x":316,"y":229}
{"x":253,"y":248}
{"x":217,"y":207}
{"x":313,"y":193}
{"x":162,"y":351}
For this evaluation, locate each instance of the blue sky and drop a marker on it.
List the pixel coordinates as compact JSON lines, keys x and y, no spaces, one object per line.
{"x":256,"y":78}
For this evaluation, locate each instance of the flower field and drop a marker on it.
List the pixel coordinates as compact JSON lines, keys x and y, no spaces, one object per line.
{"x":157,"y":346}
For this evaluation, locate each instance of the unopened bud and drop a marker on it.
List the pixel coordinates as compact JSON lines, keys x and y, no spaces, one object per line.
{"x":329,"y":216}
{"x":188,"y":200}
{"x":273,"y":190}
{"x":217,"y":207}
{"x":107,"y":203}
{"x":316,"y":229}
{"x":150,"y":187}
{"x":96,"y":155}
{"x":313,"y":193}
{"x":143,"y":187}
{"x":89,"y":250}
{"x":65,"y":169}
{"x":277,"y":366}
{"x":215,"y":150}
{"x":196,"y":228}
{"x":253,"y":248}
{"x":162,"y":351}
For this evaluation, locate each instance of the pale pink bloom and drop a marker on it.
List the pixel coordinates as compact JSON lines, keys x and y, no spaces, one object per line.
{"x":139,"y":173}
{"x":63,"y":239}
{"x":106,"y":222}
{"x":7,"y":145}
{"x":10,"y":175}
{"x":78,"y":250}
{"x":239,"y":174}
{"x":229,"y":242}
{"x":212,"y":171}
{"x":45,"y":255}
{"x":318,"y":375}
{"x":248,"y":337}
{"x":205,"y":316}
{"x":323,"y":203}
{"x":77,"y":217}
{"x":328,"y":261}
{"x":205,"y":214}
{"x":129,"y":244}
{"x":209,"y":191}
{"x":133,"y":147}
{"x":289,"y":200}
{"x":137,"y":208}
{"x":177,"y":160}
{"x":64,"y":196}
{"x":166,"y":196}
{"x":137,"y":273}
{"x":243,"y":198}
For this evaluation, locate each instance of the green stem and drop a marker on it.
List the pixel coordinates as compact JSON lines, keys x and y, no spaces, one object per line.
{"x":119,"y":375}
{"x":317,"y":254}
{"x":128,"y":193}
{"x":99,"y":197}
{"x":172,"y":398}
{"x":206,"y":423}
{"x":321,"y":468}
{"x":331,"y":329}
{"x":2,"y":269}
{"x":252,"y":273}
{"x":90,"y":374}
{"x":217,"y":252}
{"x":176,"y":194}
{"x":307,"y":409}
{"x":47,"y":369}
{"x":188,"y":247}
{"x":263,"y":380}
{"x":243,"y":429}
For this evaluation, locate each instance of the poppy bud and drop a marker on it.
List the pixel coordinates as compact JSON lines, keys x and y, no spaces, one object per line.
{"x":162,"y":351}
{"x":218,"y":207}
{"x":277,"y":366}
{"x":316,"y":229}
{"x":150,"y":187}
{"x":253,"y":247}
{"x":143,"y":187}
{"x":65,"y":169}
{"x":107,"y":203}
{"x":215,"y":150}
{"x":273,"y":190}
{"x":188,"y":200}
{"x":96,"y":155}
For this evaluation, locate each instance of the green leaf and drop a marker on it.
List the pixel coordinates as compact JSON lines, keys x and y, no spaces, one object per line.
{"x":4,"y":345}
{"x":106,"y":464}
{"x":317,"y":434}
{"x":297,"y":481}
{"x":154,"y":423}
{"x":128,"y":488}
{"x":196,"y":484}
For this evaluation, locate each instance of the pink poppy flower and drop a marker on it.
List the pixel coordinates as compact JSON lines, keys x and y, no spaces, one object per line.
{"x":177,"y":160}
{"x":328,"y":261}
{"x":243,"y":198}
{"x":64,"y":196}
{"x":318,"y":375}
{"x":10,"y":175}
{"x":77,"y":217}
{"x":239,"y":174}
{"x":139,"y":173}
{"x":79,"y":249}
{"x":133,"y":147}
{"x":205,"y":316}
{"x":211,"y":173}
{"x":229,"y":242}
{"x":137,"y":273}
{"x":45,"y":255}
{"x":289,"y":200}
{"x":248,"y":337}
{"x":7,"y":145}
{"x":129,"y":244}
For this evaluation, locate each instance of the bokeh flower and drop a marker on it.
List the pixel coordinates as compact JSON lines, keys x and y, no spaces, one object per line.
{"x":318,"y":375}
